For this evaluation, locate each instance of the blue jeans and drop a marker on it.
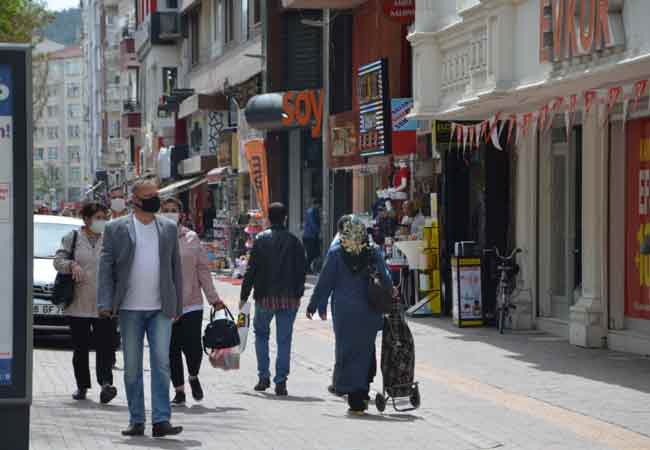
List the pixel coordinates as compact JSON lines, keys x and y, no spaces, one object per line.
{"x":158,"y":327}
{"x":284,"y":320}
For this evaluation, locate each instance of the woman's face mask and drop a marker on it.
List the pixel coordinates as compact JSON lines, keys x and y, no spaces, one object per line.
{"x":98,"y":226}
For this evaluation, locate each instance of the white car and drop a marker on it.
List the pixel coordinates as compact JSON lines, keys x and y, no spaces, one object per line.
{"x":48,"y":233}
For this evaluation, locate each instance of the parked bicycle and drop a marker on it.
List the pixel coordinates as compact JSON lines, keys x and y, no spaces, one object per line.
{"x":508,"y":269}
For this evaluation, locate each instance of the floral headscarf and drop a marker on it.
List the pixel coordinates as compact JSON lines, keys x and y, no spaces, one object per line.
{"x":354,"y":242}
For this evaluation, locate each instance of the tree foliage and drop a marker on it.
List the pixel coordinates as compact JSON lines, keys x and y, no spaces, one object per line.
{"x":65,"y":28}
{"x":21,"y":19}
{"x":47,"y":178}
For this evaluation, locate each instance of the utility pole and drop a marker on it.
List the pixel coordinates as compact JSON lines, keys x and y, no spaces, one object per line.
{"x":327,"y":210}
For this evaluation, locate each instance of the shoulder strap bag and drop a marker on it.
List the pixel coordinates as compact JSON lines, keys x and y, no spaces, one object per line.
{"x":220,"y":333}
{"x":63,"y":293}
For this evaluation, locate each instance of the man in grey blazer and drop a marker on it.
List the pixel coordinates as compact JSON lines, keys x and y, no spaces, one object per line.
{"x":140,"y":278}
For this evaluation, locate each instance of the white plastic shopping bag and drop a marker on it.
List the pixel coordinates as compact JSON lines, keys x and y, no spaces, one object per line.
{"x":243,"y":324}
{"x":225,"y":358}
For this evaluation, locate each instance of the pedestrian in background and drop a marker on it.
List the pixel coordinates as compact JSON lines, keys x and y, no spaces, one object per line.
{"x":82,"y":315}
{"x":345,"y":277}
{"x":340,"y":225}
{"x":276,"y":269}
{"x":187,"y":329}
{"x":118,"y":209}
{"x":311,"y":233}
{"x":118,"y":203}
{"x":140,"y":277}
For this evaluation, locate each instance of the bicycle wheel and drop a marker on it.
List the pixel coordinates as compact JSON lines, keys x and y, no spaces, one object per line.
{"x":501,"y":318}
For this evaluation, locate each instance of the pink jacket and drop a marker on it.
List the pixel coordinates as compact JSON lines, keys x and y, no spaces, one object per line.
{"x":196,"y":272}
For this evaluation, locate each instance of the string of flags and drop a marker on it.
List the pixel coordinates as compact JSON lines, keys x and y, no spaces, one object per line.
{"x":521,"y":124}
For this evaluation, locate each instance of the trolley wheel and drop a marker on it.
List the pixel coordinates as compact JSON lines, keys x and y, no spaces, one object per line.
{"x":415,"y":397}
{"x":380,"y":402}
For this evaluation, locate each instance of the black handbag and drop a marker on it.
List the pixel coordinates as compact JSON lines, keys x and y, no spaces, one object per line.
{"x":63,"y":292}
{"x":220,"y":333}
{"x":380,"y":299}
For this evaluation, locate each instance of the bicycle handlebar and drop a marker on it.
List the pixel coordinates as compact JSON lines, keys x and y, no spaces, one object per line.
{"x":495,"y":250}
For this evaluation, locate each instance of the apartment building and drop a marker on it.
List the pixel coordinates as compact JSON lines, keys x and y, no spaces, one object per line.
{"x":60,"y":163}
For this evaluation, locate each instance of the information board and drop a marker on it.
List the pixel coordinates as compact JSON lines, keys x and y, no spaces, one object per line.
{"x":6,"y":226}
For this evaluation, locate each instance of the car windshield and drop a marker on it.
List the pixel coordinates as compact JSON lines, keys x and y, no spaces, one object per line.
{"x":48,"y":236}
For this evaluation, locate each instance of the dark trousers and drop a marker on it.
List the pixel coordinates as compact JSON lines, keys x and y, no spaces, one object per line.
{"x":312,"y":247}
{"x":186,"y":340}
{"x":100,"y":332}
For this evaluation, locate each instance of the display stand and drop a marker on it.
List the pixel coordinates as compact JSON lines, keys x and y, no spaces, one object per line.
{"x":466,"y":287}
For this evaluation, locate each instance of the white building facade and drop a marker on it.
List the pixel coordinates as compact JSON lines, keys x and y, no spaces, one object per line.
{"x":575,"y":83}
{"x":60,"y":153}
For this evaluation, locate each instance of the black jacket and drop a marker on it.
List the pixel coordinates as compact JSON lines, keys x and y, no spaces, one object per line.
{"x":276,"y":266}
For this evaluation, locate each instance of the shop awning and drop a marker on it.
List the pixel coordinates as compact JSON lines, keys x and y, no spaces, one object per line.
{"x":219,"y":174}
{"x":181,"y":186}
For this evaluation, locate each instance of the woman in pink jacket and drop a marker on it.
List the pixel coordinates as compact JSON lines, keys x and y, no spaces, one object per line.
{"x":186,"y":331}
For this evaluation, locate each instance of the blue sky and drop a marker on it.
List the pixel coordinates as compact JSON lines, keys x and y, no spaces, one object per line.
{"x":57,"y":5}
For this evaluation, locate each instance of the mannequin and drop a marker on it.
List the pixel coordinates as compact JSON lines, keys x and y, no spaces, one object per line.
{"x":401,"y":181}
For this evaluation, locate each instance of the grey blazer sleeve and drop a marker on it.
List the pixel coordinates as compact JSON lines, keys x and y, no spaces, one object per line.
{"x":177,"y":270}
{"x":105,"y":279}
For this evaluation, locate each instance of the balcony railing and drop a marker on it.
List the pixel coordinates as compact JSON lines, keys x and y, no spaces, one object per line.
{"x":127,"y":53}
{"x":131,"y":106}
{"x":160,"y":28}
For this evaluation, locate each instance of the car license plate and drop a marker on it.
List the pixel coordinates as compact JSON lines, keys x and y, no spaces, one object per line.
{"x":47,"y":310}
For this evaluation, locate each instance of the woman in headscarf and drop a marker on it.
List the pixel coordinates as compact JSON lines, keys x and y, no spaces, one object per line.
{"x":345,"y":277}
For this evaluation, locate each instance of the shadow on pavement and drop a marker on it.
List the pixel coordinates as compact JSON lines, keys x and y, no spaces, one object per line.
{"x":378,"y":418}
{"x":288,"y":398}
{"x":92,"y":405}
{"x":164,"y":443}
{"x":545,"y":352}
{"x":200,"y":409}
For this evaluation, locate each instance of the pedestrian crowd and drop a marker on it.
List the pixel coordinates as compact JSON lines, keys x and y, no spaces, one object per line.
{"x":148,"y":273}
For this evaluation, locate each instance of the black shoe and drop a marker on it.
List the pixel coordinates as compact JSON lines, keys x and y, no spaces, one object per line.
{"x":80,"y":394}
{"x":179,"y":399}
{"x":281,"y":389}
{"x":263,"y":384}
{"x":108,"y":393}
{"x":163,"y":429}
{"x":137,"y":429}
{"x":197,"y":390}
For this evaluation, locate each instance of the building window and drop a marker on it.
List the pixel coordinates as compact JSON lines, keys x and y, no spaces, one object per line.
{"x":74,"y":111}
{"x":229,"y":21}
{"x":72,"y":68}
{"x":75,"y":175}
{"x":73,"y":90}
{"x":39,"y":152}
{"x":169,"y":77}
{"x":52,"y":91}
{"x":195,"y":38}
{"x":74,"y":154}
{"x":74,"y":131}
{"x":52,"y":110}
{"x":74,"y":194}
{"x":52,"y":133}
{"x":110,"y":20}
{"x":52,"y":153}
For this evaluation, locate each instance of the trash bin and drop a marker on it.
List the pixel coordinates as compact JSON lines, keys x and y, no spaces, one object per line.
{"x":467,"y":309}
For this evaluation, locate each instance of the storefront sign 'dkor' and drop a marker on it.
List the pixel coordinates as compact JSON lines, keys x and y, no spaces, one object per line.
{"x":402,"y":11}
{"x":571,"y":28}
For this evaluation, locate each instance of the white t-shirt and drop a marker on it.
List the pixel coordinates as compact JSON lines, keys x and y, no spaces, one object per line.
{"x":143,"y":293}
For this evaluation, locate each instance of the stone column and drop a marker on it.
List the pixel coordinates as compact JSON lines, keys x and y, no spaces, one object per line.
{"x":587,"y":326}
{"x":525,"y":186}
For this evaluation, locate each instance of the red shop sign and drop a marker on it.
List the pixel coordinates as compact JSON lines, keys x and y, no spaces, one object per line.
{"x":402,"y":11}
{"x":637,"y":236}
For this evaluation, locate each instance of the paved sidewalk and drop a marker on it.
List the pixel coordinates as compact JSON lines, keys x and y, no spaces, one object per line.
{"x":479,"y":390}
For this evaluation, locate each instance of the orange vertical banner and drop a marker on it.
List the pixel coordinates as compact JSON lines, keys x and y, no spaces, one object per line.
{"x":255,"y":152}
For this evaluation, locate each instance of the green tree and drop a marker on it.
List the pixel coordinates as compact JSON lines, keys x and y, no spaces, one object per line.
{"x":20,"y":20}
{"x":48,"y":178}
